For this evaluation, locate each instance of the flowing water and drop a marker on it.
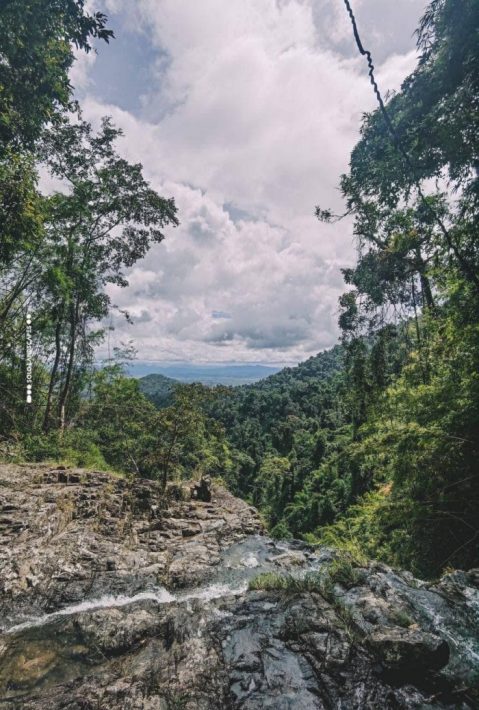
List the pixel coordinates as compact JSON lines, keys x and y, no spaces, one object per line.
{"x":457,"y":623}
{"x":239,"y":564}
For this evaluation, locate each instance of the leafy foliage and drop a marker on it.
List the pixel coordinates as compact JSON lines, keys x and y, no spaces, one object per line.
{"x":416,"y":287}
{"x":37,"y":40}
{"x":383,"y":458}
{"x":58,"y":253}
{"x":158,"y":388}
{"x":289,"y":431}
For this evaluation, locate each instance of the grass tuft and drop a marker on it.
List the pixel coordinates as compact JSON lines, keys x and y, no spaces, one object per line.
{"x":272,"y":581}
{"x":344,"y":571}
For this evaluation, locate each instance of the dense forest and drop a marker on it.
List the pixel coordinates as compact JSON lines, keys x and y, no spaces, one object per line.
{"x":373,"y":445}
{"x":384,"y":456}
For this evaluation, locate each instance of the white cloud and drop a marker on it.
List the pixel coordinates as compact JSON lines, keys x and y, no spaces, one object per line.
{"x":80,"y":71}
{"x":254,"y":115}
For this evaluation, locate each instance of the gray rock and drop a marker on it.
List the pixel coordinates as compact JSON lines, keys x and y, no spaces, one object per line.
{"x":135,"y":600}
{"x":409,"y":649}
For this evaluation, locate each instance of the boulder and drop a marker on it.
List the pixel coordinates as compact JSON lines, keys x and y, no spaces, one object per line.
{"x":408,"y":649}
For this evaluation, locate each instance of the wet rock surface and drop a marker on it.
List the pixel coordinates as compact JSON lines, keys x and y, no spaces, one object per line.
{"x":114,"y":596}
{"x":409,"y":649}
{"x":69,"y":535}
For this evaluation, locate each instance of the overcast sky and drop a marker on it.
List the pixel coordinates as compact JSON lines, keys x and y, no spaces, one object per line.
{"x":245,"y":111}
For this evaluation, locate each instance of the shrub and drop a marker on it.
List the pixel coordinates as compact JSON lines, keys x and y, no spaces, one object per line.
{"x":73,"y":447}
{"x":281,"y":531}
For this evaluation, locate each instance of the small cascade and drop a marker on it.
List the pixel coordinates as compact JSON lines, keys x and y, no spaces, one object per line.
{"x":262,"y":640}
{"x":239,"y":564}
{"x":160,"y":595}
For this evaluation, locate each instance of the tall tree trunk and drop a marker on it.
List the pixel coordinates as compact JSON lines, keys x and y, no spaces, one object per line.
{"x":23,"y":281}
{"x":428,"y":300}
{"x":48,"y":407}
{"x":426,"y":291}
{"x":71,"y":360}
{"x":424,"y":366}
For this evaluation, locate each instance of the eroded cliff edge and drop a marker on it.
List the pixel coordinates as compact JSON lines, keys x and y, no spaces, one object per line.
{"x":113,"y":595}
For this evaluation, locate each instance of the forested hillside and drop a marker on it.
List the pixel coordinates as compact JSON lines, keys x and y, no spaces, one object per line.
{"x":417,"y":432}
{"x":158,"y":389}
{"x":390,"y":466}
{"x":282,"y":427}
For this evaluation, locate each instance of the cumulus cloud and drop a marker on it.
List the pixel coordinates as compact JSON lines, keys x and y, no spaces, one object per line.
{"x":248,"y":123}
{"x":81,"y":69}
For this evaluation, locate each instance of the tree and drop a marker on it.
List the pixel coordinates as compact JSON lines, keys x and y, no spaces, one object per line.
{"x":120,"y":419}
{"x":411,"y":243}
{"x":436,"y":123}
{"x":104,"y":222}
{"x":410,"y":317}
{"x":37,"y":40}
{"x":181,"y":434}
{"x":273,"y":487}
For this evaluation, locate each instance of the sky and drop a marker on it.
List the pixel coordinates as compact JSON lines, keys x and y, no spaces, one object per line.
{"x":244,"y":111}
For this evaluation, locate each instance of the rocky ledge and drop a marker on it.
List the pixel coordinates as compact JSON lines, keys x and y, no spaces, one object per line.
{"x":114,"y":595}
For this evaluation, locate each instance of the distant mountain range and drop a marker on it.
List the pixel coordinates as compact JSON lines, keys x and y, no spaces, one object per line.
{"x":264,"y":381}
{"x":207,"y":374}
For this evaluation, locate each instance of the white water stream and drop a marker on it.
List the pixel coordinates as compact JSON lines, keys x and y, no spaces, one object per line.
{"x":159,"y":595}
{"x":256,"y":554}
{"x":241,"y":562}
